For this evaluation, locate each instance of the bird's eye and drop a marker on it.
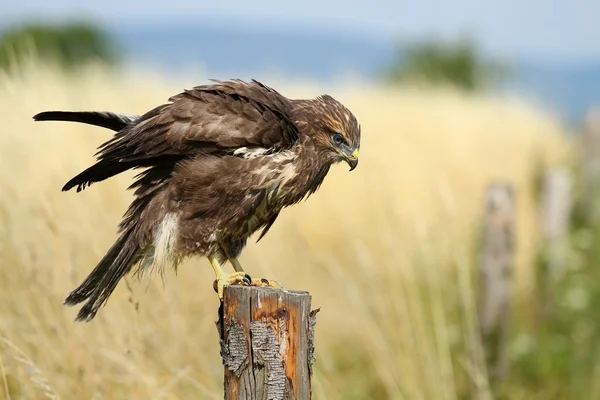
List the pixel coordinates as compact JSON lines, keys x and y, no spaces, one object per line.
{"x":338,"y":139}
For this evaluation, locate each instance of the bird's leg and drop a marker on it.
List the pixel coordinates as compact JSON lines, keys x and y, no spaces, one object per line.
{"x":236,"y":264}
{"x":237,"y":278}
{"x":262,"y":282}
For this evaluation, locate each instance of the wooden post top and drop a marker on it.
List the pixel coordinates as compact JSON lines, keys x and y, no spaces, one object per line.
{"x":267,"y":342}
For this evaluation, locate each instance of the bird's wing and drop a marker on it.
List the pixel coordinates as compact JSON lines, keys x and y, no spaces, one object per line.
{"x":217,"y":118}
{"x":211,"y":118}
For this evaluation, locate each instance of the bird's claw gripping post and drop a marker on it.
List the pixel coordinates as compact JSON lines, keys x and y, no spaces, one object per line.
{"x":263,"y":282}
{"x":241,"y":278}
{"x":237,"y":278}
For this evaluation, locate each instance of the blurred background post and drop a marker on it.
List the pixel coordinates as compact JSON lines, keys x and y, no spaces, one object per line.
{"x":460,"y":260}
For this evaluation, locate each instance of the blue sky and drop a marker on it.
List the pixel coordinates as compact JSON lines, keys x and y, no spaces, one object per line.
{"x":557,"y":30}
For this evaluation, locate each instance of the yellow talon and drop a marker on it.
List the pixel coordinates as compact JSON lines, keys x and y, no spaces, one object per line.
{"x":255,"y":282}
{"x":265,"y":283}
{"x":237,"y":278}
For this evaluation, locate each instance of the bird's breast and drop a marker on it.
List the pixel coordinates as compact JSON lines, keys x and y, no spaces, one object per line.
{"x":270,"y":196}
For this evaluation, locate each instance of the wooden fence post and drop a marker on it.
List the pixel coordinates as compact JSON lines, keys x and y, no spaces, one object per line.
{"x":556,"y":212}
{"x":495,"y":267}
{"x":267,"y":343}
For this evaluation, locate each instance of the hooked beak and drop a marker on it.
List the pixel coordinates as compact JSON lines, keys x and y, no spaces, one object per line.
{"x":351,"y":157}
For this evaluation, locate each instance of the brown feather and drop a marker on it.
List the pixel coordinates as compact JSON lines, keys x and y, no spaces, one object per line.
{"x":104,"y":119}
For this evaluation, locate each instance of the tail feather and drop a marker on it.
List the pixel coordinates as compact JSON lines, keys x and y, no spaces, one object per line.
{"x":103,"y":169}
{"x":105,"y":119}
{"x":98,"y":172}
{"x":103,"y":280}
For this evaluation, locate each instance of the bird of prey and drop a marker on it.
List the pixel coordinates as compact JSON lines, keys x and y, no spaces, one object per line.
{"x":220,"y":161}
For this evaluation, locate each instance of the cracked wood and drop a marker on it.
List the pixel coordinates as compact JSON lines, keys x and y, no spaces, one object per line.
{"x":267,"y":343}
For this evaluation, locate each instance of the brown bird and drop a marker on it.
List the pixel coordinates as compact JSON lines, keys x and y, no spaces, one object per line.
{"x":220,"y":162}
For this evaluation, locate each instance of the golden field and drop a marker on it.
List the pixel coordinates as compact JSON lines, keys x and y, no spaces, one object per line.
{"x":387,"y":251}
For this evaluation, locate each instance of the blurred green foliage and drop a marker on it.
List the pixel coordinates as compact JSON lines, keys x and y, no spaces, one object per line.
{"x":556,"y":351}
{"x":69,"y":45}
{"x":433,"y":62}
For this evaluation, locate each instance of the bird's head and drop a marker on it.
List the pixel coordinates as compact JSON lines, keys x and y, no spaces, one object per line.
{"x":333,"y":128}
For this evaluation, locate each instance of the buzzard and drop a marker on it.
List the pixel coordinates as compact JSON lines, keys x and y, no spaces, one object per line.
{"x":219,"y":162}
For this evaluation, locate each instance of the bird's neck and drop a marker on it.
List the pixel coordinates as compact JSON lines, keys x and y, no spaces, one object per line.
{"x":310,"y":169}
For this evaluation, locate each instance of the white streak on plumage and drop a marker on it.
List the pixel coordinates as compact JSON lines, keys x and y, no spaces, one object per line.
{"x":161,"y":252}
{"x":246,"y":152}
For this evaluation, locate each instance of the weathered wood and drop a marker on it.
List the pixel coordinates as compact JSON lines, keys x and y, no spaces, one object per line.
{"x":556,"y":213}
{"x":267,"y":343}
{"x":496,"y":259}
{"x":556,"y":203}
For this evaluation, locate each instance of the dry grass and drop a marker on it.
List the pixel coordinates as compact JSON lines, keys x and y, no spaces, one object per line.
{"x":386,"y":250}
